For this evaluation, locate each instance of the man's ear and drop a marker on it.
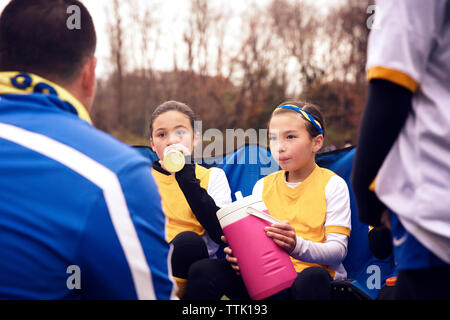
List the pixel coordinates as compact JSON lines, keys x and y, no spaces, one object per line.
{"x":88,"y":77}
{"x":317,"y":143}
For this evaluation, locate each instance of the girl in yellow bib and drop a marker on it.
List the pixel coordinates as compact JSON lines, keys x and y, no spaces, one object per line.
{"x":191,"y":196}
{"x":313,"y":204}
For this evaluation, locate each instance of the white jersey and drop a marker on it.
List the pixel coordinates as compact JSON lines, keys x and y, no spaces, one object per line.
{"x":219,"y":190}
{"x":410,"y":46}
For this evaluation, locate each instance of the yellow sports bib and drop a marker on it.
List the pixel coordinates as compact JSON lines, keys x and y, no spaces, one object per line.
{"x":176,"y":208}
{"x":304,"y":206}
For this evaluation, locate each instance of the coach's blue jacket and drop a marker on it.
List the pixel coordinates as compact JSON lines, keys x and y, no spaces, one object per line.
{"x":80,"y":214}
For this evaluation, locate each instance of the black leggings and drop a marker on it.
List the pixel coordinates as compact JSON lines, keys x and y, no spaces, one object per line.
{"x":423,"y":284}
{"x":188,"y":247}
{"x":210,"y":279}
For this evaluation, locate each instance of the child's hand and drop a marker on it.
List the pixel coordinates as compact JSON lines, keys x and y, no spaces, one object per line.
{"x":230,"y":258}
{"x":283,"y":234}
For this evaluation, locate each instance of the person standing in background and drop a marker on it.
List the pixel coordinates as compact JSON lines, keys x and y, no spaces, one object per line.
{"x":404,"y":142}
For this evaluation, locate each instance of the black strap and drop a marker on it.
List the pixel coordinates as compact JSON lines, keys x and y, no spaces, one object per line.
{"x":201,"y":203}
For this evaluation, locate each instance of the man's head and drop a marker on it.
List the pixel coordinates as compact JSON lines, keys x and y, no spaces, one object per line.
{"x":35,"y":37}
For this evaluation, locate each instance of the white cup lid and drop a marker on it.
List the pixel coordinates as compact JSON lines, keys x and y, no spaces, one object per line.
{"x":237,"y":205}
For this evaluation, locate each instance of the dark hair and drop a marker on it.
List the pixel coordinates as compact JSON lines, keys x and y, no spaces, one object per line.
{"x":35,"y":37}
{"x":309,"y":108}
{"x":169,"y":106}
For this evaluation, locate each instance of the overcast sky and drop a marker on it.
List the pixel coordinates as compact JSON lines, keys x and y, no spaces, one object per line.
{"x":172,"y":16}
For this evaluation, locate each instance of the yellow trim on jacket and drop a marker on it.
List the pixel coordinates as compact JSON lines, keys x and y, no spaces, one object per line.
{"x":6,"y":87}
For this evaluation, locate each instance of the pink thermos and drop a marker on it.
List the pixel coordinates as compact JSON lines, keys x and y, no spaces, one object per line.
{"x":266,"y":269}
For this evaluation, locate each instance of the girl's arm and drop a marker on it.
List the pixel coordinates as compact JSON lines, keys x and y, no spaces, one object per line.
{"x":332,"y":252}
{"x":202,"y":204}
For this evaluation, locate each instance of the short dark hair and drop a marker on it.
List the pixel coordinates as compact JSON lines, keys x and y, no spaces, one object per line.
{"x":169,"y":106}
{"x":35,"y":38}
{"x":310,"y":108}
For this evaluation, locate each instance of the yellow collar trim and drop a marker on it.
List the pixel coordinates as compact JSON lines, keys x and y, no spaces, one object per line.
{"x":25,"y":83}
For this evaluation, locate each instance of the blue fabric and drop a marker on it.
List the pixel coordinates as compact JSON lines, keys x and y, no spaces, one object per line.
{"x":245,"y":167}
{"x":410,"y":253}
{"x":52,"y":217}
{"x":248,"y":164}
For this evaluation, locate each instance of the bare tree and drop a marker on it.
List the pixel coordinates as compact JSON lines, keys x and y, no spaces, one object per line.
{"x":297,"y":25}
{"x":347,"y":32}
{"x":116,"y":27}
{"x":343,"y":87}
{"x":279,"y":48}
{"x":259,"y":62}
{"x":145,"y":47}
{"x":220,"y":27}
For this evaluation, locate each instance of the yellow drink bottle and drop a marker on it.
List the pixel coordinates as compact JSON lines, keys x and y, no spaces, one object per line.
{"x":173,"y":159}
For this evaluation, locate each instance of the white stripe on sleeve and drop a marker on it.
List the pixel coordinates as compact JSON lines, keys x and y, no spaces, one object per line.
{"x":106,"y":180}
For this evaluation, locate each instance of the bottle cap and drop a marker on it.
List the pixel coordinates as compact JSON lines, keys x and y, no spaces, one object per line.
{"x":390,"y":282}
{"x":173,"y":159}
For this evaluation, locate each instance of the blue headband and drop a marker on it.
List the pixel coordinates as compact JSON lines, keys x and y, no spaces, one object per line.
{"x":305,"y":114}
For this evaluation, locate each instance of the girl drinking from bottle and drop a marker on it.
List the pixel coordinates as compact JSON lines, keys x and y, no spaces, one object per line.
{"x":312,"y":203}
{"x":191,"y":196}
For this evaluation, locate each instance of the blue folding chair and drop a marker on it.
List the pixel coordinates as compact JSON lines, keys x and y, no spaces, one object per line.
{"x":248,"y":164}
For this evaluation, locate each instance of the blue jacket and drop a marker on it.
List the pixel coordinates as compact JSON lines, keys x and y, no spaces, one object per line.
{"x":80,"y":214}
